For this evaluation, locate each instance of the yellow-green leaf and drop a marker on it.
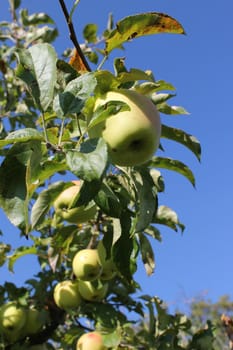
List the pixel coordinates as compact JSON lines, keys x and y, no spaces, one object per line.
{"x":142,"y":24}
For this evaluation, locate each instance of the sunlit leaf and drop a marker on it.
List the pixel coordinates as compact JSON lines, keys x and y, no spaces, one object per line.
{"x":75,"y":94}
{"x":172,"y":110}
{"x":90,"y":32}
{"x":167,"y":216}
{"x":90,"y":162}
{"x":44,"y":60}
{"x":141,"y":24}
{"x":21,"y":135}
{"x":35,"y":18}
{"x":18,"y":253}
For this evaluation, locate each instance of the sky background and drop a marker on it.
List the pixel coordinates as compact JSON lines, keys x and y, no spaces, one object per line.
{"x":200,"y":66}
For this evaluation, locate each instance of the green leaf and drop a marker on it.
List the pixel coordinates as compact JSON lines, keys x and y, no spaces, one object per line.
{"x":153,"y":232}
{"x":90,"y":33}
{"x":45,"y":201}
{"x":147,"y":199}
{"x":141,"y":24}
{"x":13,"y":190}
{"x":168,"y":217}
{"x":107,"y":110}
{"x":175,"y":165}
{"x":182,"y":137}
{"x":22,"y":135}
{"x":172,"y":110}
{"x":133,"y":75}
{"x":44,"y":62}
{"x":123,"y":245}
{"x":106,"y":81}
{"x":25,"y":71}
{"x":90,"y":162}
{"x":34,"y":19}
{"x":73,"y":98}
{"x":108,"y":202}
{"x":18,"y":253}
{"x":147,"y":254}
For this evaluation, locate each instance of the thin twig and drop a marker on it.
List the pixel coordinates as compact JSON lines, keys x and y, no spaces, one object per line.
{"x":73,"y":36}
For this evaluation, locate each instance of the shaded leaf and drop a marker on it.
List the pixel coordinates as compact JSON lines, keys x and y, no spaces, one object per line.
{"x":90,"y":32}
{"x":123,"y":245}
{"x":108,"y":202}
{"x":147,"y":199}
{"x":13,"y":194}
{"x":182,"y":137}
{"x":141,"y":24}
{"x":44,"y":202}
{"x":175,"y":165}
{"x":147,"y":254}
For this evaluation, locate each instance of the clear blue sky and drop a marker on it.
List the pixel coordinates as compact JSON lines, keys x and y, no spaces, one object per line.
{"x":200,"y":65}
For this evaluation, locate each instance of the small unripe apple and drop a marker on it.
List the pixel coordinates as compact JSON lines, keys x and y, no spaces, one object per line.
{"x":91,"y":341}
{"x":66,"y":295}
{"x":93,"y":291}
{"x":34,"y":321}
{"x":76,"y":215}
{"x":133,"y":135}
{"x":86,"y":264}
{"x":108,"y":267}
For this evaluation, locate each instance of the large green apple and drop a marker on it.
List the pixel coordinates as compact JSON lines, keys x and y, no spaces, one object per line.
{"x":133,"y":135}
{"x":66,"y":295}
{"x":108,"y":267}
{"x":76,"y":215}
{"x":86,"y":264}
{"x":12,"y":320}
{"x":91,"y":341}
{"x":93,"y":291}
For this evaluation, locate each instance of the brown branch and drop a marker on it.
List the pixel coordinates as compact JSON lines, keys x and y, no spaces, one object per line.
{"x":73,"y":36}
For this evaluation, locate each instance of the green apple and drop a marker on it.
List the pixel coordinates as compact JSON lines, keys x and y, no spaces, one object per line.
{"x":86,"y":264}
{"x":93,"y":291}
{"x":91,"y":341}
{"x":66,"y":295}
{"x":133,"y":135}
{"x":12,"y":320}
{"x":76,"y":215}
{"x":34,"y":321}
{"x":108,"y":267}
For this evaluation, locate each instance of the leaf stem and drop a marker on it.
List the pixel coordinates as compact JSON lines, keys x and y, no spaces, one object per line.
{"x":73,"y":36}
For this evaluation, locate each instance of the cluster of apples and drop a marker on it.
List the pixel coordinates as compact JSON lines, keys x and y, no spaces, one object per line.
{"x":18,"y":322}
{"x":92,"y":271}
